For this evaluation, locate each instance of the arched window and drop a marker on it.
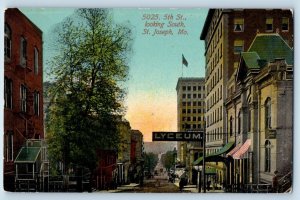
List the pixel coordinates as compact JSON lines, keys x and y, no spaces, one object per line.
{"x":7,"y":42}
{"x":36,"y":103}
{"x":268,"y":113}
{"x":230,"y":126}
{"x":249,"y":120}
{"x":23,"y":52}
{"x":239,"y":122}
{"x":267,"y":156}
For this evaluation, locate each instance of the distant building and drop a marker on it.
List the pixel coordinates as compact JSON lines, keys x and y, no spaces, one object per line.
{"x":190,"y":117}
{"x":23,"y":96}
{"x":227,"y":33}
{"x":136,"y":156}
{"x":123,"y":161}
{"x":259,"y":107}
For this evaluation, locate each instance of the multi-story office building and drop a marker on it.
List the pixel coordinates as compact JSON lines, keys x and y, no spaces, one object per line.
{"x":190,"y":117}
{"x":23,"y":96}
{"x":227,"y":33}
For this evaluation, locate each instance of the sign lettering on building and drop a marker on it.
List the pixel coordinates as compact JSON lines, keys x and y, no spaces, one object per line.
{"x":177,"y":136}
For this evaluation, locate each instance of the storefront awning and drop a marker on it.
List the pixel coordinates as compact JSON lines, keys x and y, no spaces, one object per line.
{"x":208,"y":170}
{"x":235,"y":149}
{"x":28,"y":155}
{"x":242,"y":151}
{"x":210,"y":157}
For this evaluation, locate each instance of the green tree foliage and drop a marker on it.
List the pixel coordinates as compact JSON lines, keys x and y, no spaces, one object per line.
{"x":151,"y":160}
{"x":86,"y":95}
{"x":168,"y":159}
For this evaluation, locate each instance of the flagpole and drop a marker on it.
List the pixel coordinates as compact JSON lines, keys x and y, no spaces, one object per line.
{"x":182,"y":69}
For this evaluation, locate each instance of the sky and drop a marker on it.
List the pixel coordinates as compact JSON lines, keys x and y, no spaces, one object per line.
{"x":155,"y":63}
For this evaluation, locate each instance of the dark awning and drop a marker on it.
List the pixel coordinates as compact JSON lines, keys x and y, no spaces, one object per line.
{"x":211,"y":157}
{"x":28,"y":155}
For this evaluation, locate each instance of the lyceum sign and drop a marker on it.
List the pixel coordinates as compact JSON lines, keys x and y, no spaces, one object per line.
{"x":177,"y":136}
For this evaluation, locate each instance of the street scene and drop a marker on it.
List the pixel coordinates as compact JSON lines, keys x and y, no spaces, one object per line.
{"x":100,"y":100}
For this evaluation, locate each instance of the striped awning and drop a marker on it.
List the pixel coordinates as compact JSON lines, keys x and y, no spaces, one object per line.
{"x":235,"y":149}
{"x":239,"y":154}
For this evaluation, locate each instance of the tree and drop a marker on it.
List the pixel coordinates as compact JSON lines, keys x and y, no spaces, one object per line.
{"x":168,"y":159}
{"x":151,"y":160}
{"x":86,"y":95}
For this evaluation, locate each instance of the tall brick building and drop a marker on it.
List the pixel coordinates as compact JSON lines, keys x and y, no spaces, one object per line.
{"x":227,"y":33}
{"x":23,"y":89}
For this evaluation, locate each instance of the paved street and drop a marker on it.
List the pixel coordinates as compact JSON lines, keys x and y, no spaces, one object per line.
{"x":155,"y":185}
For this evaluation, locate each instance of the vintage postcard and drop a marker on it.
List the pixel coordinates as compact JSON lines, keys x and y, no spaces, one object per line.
{"x":136,"y":100}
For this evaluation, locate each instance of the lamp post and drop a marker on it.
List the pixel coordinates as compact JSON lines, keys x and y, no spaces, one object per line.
{"x":199,"y":170}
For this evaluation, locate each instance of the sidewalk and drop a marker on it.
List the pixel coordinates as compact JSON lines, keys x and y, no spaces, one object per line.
{"x":121,"y":188}
{"x":194,"y":189}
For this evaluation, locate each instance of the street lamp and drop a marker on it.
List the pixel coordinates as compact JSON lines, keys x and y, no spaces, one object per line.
{"x":199,"y":169}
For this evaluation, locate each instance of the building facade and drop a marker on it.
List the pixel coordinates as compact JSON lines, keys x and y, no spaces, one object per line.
{"x":23,"y":89}
{"x":190,"y":117}
{"x":227,"y":33}
{"x":259,"y":109}
{"x":123,"y":161}
{"x":136,"y":169}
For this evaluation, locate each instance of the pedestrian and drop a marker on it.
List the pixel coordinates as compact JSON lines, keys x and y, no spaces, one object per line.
{"x":208,"y":185}
{"x":181,"y":183}
{"x":275,"y":182}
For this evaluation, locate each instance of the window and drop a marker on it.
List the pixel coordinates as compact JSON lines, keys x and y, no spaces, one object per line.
{"x":238,"y":46}
{"x":236,"y":65}
{"x":268,"y":113}
{"x":189,"y":111}
{"x":285,"y":24}
{"x":36,"y":61}
{"x":184,"y":111}
{"x":199,"y":88}
{"x":23,"y":96}
{"x":267,"y":156}
{"x":238,"y":25}
{"x":36,"y":103}
{"x":195,"y":103}
{"x":189,"y":96}
{"x":199,"y":103}
{"x":249,"y":120}
{"x":189,"y":88}
{"x":7,"y":42}
{"x":194,"y":119}
{"x":230,"y":126}
{"x":23,"y":52}
{"x":194,"y":96}
{"x":199,"y":95}
{"x":183,"y":96}
{"x":183,"y":88}
{"x":188,"y":119}
{"x":199,"y":118}
{"x":183,"y":119}
{"x":239,"y":122}
{"x":194,"y":111}
{"x":9,"y":146}
{"x":269,"y":24}
{"x":7,"y":93}
{"x":183,"y":103}
{"x":189,"y":103}
{"x":194,"y":88}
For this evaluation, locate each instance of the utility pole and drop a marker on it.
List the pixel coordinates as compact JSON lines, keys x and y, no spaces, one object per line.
{"x":204,"y":154}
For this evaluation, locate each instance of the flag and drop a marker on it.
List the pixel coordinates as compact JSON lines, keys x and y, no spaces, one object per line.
{"x":184,"y":61}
